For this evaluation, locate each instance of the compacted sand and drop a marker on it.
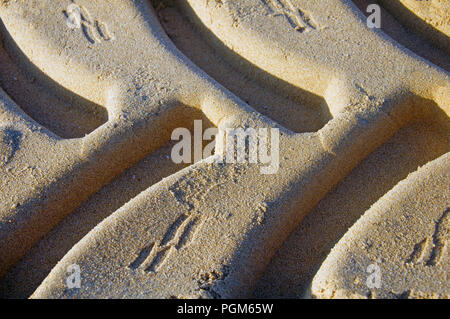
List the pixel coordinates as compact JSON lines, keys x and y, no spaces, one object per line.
{"x":92,"y":90}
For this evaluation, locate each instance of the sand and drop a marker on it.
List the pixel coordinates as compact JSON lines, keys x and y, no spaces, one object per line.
{"x":430,"y":18}
{"x":409,"y":246}
{"x":86,"y":178}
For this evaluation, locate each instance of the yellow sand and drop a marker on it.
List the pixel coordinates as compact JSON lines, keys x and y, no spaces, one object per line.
{"x":85,"y":121}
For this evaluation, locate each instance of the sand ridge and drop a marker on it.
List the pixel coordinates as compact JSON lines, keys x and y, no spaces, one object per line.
{"x":405,"y":234}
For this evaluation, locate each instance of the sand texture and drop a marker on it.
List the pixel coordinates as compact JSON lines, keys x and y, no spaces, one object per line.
{"x":91,"y":91}
{"x":405,"y":233}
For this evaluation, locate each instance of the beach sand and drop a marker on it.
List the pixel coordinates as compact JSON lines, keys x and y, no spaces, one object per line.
{"x":88,"y":104}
